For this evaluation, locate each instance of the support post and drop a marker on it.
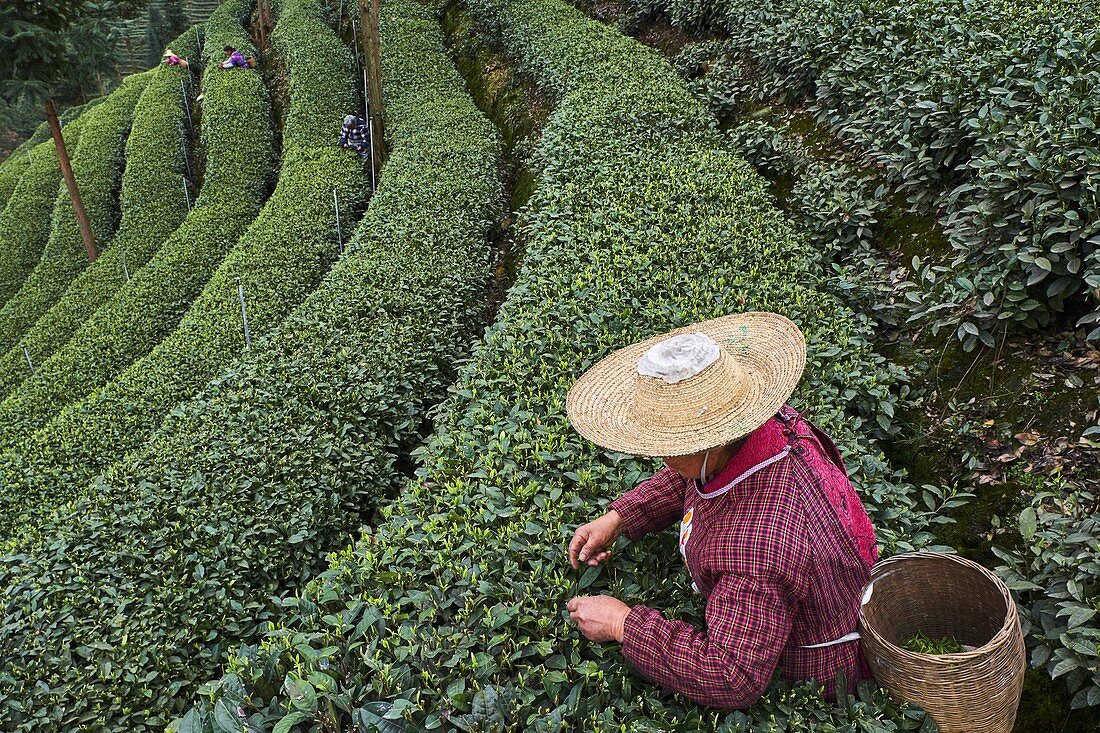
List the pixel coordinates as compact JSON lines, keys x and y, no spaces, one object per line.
{"x":27,"y":354}
{"x":122,"y":257}
{"x":70,"y":182}
{"x":186,"y":105}
{"x":368,"y":10}
{"x":186,"y":193}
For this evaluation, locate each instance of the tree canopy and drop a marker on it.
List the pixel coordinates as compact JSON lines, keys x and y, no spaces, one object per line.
{"x":48,"y":47}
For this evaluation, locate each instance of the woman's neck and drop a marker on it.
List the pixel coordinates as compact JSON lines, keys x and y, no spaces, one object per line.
{"x":721,"y":456}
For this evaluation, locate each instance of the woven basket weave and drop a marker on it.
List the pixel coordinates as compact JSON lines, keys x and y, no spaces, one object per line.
{"x":945,"y":595}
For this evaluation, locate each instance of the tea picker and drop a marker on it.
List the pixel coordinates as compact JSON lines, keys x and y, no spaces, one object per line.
{"x":772,"y":532}
{"x":775,"y":539}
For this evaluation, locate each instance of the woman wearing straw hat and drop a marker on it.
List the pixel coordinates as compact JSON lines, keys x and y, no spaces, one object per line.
{"x":772,"y":532}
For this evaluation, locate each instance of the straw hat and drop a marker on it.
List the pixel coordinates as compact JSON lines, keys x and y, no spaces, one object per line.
{"x":692,"y":389}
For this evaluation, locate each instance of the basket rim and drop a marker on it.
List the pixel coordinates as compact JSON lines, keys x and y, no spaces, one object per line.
{"x":1003,"y":635}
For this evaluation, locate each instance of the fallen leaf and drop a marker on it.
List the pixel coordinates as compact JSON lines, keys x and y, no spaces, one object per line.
{"x":1027,"y":438}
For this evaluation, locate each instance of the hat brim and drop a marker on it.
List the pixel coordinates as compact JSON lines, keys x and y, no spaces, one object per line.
{"x":770,"y":349}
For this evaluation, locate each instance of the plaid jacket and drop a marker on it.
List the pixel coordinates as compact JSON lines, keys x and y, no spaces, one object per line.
{"x":355,"y":135}
{"x":781,"y":547}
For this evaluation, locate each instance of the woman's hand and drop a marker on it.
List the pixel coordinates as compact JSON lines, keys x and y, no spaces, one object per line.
{"x":600,"y":618}
{"x":590,"y":541}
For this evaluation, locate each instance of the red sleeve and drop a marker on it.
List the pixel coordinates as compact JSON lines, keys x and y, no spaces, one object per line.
{"x":729,"y":665}
{"x":655,"y":504}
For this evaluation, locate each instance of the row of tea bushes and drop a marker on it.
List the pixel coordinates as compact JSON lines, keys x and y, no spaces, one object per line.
{"x":450,"y":614}
{"x":277,"y":262}
{"x":136,"y":592}
{"x":152,"y":204}
{"x":982,"y":110}
{"x":97,"y":166}
{"x":146,"y":309}
{"x":25,"y":220}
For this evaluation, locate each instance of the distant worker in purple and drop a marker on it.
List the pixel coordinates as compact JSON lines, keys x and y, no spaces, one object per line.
{"x":234,"y":59}
{"x":355,"y":135}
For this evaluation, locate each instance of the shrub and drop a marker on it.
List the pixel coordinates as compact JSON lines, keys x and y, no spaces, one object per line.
{"x":152,"y":207}
{"x":981,"y":110}
{"x":449,"y":615}
{"x":25,"y":220}
{"x":243,"y":490}
{"x":97,"y":167}
{"x":1056,"y":576}
{"x":151,"y":304}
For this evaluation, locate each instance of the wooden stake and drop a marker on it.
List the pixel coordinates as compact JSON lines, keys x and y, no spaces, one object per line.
{"x":70,"y":182}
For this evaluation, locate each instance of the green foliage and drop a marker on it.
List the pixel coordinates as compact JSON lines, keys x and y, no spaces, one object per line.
{"x":244,"y":489}
{"x":151,"y":304}
{"x":13,"y":167}
{"x":97,"y":167}
{"x":839,"y":207}
{"x":279,"y":260}
{"x":152,"y":207}
{"x":982,"y":111}
{"x":25,"y":221}
{"x":56,"y":49}
{"x":1056,"y":577}
{"x":450,"y":614}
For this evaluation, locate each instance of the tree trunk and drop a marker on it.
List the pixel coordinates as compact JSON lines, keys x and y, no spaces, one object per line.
{"x":70,"y":182}
{"x":373,"y":48}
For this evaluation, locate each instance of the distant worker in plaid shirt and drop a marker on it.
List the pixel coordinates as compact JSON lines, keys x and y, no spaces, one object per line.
{"x":355,"y":134}
{"x":772,"y":532}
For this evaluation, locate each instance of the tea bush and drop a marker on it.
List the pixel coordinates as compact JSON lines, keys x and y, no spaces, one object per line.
{"x":243,"y":490}
{"x":25,"y":220}
{"x":1055,"y":578}
{"x":982,"y":110}
{"x":152,"y":207}
{"x":450,"y":615}
{"x":840,"y":207}
{"x":97,"y":166}
{"x":237,"y":141}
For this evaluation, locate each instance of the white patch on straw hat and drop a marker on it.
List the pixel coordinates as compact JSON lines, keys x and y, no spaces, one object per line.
{"x":692,"y":389}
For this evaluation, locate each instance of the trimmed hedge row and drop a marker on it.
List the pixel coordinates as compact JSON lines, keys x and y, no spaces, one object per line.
{"x":450,"y":615}
{"x":25,"y":220}
{"x":152,"y":207}
{"x":11,"y":171}
{"x":279,"y":260}
{"x":244,"y":490}
{"x":97,"y":167}
{"x":981,"y":110}
{"x":147,"y":308}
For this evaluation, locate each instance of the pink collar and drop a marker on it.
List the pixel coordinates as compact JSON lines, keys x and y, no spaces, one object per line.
{"x":764,"y":446}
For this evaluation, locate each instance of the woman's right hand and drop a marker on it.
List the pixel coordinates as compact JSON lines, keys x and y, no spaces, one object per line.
{"x":590,"y":541}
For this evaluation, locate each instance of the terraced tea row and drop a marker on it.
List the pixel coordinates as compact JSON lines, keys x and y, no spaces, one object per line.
{"x":151,"y":304}
{"x":982,"y":110}
{"x":152,"y":205}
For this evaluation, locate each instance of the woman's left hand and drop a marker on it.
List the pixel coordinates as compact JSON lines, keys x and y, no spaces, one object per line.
{"x":600,"y":618}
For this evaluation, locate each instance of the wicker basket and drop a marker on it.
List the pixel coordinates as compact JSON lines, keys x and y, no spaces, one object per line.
{"x":944,"y":595}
